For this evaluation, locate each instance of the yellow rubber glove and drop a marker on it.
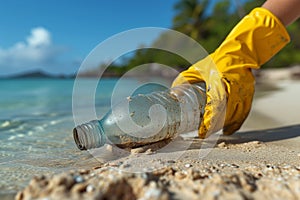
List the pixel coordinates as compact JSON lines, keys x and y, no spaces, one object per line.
{"x":251,"y":43}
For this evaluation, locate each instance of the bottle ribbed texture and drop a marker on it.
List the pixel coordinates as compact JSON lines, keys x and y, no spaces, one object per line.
{"x":180,"y":110}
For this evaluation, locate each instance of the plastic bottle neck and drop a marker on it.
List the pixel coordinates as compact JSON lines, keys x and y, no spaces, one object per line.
{"x":89,"y":135}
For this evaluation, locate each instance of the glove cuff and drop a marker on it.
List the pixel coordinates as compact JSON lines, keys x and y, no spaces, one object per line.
{"x":253,"y":41}
{"x":276,"y":35}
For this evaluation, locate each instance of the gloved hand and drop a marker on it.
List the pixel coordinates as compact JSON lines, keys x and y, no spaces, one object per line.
{"x":251,"y":43}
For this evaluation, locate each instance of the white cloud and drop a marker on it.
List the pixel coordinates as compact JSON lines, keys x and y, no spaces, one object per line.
{"x":39,"y":36}
{"x":37,"y":51}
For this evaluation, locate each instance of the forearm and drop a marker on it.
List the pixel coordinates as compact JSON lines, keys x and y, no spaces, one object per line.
{"x":286,"y":10}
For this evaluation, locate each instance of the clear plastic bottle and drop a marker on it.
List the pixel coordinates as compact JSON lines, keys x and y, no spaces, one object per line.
{"x":146,"y":117}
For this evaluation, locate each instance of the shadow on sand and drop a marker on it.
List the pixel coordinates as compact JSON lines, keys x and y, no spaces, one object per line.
{"x":267,"y":135}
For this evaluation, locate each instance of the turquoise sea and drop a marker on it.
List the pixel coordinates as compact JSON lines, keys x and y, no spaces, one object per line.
{"x":36,"y":123}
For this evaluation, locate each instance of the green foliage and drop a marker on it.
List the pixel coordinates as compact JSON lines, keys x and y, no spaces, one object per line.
{"x":190,"y":17}
{"x":209,"y":29}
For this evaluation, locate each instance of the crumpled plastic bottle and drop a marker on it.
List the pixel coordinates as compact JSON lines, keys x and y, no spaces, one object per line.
{"x":153,"y":113}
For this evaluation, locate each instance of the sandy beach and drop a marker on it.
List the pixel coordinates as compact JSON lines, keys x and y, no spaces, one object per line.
{"x":261,"y":161}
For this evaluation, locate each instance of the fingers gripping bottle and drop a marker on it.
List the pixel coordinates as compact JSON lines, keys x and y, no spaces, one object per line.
{"x":153,"y":113}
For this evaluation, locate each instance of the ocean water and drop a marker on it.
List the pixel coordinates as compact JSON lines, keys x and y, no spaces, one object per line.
{"x":36,"y":123}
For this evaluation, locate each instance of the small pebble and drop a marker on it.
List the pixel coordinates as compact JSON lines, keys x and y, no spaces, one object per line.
{"x":222,"y":165}
{"x":105,"y":164}
{"x":83,"y":171}
{"x":180,"y":175}
{"x":188,"y":165}
{"x":149,"y":151}
{"x":109,"y":147}
{"x":222,"y":145}
{"x":171,"y":161}
{"x":90,"y":188}
{"x":129,"y":98}
{"x":234,"y":166}
{"x":78,"y":179}
{"x":137,"y":150}
{"x":114,"y":164}
{"x":270,"y":167}
{"x":256,"y":142}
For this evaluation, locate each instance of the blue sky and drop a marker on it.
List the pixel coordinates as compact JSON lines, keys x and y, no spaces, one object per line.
{"x":56,"y":36}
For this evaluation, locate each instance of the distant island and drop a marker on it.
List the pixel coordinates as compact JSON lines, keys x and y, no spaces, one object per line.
{"x":38,"y":74}
{"x":42,"y":74}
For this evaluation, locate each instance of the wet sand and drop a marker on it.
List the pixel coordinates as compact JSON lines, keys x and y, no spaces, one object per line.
{"x":261,"y":161}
